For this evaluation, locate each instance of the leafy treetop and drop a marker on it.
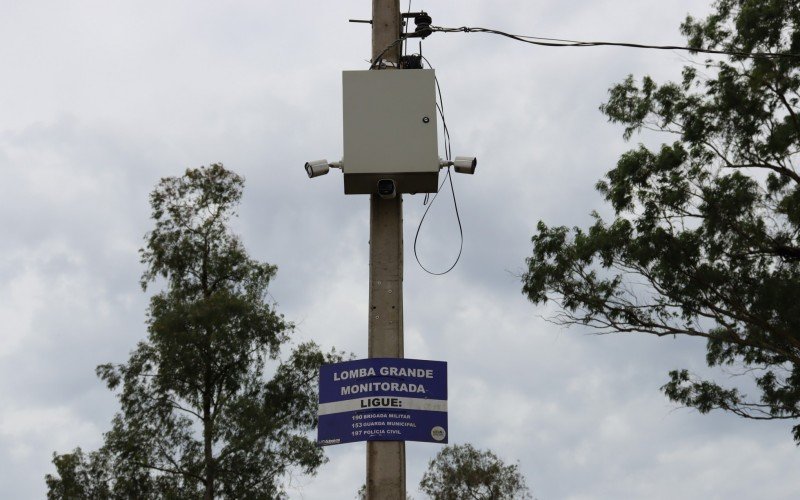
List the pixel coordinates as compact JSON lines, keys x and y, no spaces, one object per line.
{"x":705,"y":241}
{"x":463,"y":472}
{"x":208,"y":408}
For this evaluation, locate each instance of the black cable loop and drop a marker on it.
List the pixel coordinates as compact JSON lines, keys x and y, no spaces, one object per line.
{"x":460,"y":228}
{"x":448,"y":177}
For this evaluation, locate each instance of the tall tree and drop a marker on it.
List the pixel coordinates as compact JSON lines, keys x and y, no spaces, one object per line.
{"x":705,"y":240}
{"x":461,"y":472}
{"x":199,"y":417}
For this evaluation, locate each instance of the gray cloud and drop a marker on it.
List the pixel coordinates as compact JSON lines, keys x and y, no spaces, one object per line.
{"x":104,"y":99}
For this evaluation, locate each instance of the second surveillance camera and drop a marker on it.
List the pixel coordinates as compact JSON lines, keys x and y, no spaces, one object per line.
{"x":317,"y":168}
{"x":387,"y":189}
{"x":465,"y":164}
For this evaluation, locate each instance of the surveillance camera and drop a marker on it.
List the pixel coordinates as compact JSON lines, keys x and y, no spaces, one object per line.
{"x":386,"y":189}
{"x":317,"y":168}
{"x":465,"y":164}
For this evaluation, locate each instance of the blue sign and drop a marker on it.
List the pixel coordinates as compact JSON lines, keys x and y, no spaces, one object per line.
{"x":383,"y":399}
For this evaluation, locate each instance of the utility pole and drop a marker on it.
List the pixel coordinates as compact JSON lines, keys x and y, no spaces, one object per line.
{"x":386,"y":460}
{"x":381,"y":112}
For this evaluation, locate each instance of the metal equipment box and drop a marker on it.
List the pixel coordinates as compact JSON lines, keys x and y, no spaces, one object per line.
{"x":390,"y":130}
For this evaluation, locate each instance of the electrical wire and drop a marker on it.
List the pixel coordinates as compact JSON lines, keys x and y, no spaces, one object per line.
{"x":440,"y":108}
{"x":405,"y":30}
{"x":448,"y":157}
{"x":448,"y":177}
{"x":558,"y":42}
{"x":378,"y":59}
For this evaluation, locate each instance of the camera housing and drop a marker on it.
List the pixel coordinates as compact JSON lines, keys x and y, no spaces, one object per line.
{"x":317,"y":168}
{"x":390,"y":130}
{"x":387,"y":189}
{"x":465,"y":164}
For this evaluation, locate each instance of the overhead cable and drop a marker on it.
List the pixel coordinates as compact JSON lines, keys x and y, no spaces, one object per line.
{"x":558,"y":42}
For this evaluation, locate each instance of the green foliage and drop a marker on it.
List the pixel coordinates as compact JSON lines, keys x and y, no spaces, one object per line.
{"x":461,"y":472}
{"x":704,"y":242}
{"x":199,"y":417}
{"x":79,"y":476}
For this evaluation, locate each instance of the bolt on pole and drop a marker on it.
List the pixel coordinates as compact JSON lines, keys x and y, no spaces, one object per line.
{"x":386,"y":460}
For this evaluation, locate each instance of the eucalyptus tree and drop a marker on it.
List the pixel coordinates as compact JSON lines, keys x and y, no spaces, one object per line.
{"x":463,"y":472}
{"x":208,"y":406}
{"x":705,"y":237}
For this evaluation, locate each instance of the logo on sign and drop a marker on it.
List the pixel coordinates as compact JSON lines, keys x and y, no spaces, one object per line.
{"x":438,"y":433}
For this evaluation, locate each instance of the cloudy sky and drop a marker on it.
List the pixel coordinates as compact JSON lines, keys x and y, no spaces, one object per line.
{"x":99,"y":99}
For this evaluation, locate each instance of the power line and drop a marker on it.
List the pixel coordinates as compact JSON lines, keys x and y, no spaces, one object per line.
{"x":559,"y":42}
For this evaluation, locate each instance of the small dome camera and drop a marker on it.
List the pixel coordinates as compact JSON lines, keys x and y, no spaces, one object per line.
{"x":386,"y":189}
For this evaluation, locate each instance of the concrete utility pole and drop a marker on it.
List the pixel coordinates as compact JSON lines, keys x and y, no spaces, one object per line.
{"x":386,"y":460}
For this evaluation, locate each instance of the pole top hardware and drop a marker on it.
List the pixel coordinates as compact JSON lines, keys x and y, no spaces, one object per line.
{"x":422,"y":21}
{"x":423,"y":24}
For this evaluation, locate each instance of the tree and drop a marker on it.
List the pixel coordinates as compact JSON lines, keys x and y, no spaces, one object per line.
{"x":79,"y":476}
{"x":199,"y":417}
{"x":460,"y":472}
{"x":704,"y":242}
